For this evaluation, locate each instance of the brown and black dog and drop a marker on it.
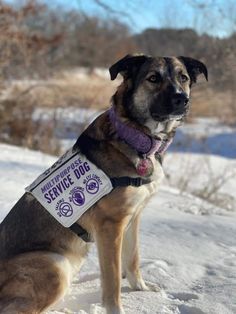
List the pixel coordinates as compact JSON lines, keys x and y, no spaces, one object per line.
{"x":38,"y":255}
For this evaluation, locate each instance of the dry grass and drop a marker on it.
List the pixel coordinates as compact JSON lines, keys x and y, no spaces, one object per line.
{"x":73,"y":89}
{"x":65,"y":89}
{"x":207,"y":102}
{"x":203,"y":176}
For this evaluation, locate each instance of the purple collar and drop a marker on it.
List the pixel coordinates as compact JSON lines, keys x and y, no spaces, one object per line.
{"x":138,"y":140}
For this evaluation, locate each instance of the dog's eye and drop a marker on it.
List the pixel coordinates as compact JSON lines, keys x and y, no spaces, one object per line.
{"x":155,"y":78}
{"x":183,"y":78}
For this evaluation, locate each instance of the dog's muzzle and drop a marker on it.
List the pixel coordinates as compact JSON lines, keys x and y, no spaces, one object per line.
{"x":179,"y":103}
{"x":178,"y":108}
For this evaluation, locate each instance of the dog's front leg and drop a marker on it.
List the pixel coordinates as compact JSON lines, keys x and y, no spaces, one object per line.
{"x":109,"y":241}
{"x":130,"y":259}
{"x":130,"y":256}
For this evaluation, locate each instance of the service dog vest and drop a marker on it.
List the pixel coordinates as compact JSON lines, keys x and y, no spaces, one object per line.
{"x":73,"y":184}
{"x":70,"y":187}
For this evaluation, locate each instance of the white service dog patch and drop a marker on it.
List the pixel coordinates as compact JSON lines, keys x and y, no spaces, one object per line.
{"x":70,"y":187}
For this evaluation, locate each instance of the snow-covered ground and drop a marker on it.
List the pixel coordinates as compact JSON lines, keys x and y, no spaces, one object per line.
{"x":188,"y":244}
{"x":208,"y":136}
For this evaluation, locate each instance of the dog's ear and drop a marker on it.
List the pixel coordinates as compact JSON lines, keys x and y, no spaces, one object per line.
{"x":125,"y":65}
{"x":194,"y":68}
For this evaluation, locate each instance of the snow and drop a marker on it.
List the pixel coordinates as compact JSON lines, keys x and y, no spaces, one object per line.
{"x":187,"y":243}
{"x":208,"y":136}
{"x":18,"y":166}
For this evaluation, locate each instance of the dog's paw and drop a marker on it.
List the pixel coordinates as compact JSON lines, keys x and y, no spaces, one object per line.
{"x":142,"y":285}
{"x":137,"y":283}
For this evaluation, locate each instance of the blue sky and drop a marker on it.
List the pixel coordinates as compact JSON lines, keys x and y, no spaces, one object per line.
{"x":203,"y":15}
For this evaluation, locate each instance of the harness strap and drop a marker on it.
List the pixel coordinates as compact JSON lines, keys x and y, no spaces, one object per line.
{"x":80,"y":232}
{"x":127,"y":181}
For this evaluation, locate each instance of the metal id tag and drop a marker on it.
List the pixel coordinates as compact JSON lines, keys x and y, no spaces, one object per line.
{"x":70,"y":187}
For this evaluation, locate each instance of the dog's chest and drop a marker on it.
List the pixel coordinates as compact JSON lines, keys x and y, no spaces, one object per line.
{"x":122,"y":204}
{"x":156,"y":177}
{"x":132,"y":198}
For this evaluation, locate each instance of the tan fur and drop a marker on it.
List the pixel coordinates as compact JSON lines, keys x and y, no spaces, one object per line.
{"x":31,"y":281}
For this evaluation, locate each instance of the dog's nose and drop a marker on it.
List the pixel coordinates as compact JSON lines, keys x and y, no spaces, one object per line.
{"x":179,"y":101}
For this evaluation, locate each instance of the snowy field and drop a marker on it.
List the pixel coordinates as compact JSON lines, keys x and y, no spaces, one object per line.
{"x":188,"y":238}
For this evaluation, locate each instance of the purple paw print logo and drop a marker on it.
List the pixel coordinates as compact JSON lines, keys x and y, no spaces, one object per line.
{"x":78,"y":198}
{"x":92,"y":186}
{"x":65,"y":210}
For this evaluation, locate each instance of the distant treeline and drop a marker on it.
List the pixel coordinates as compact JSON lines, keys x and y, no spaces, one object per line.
{"x":36,"y":40}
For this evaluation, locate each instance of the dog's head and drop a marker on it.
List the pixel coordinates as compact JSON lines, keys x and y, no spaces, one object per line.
{"x":157,"y":89}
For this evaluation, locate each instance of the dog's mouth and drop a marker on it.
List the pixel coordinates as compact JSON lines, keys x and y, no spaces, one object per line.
{"x":169,"y":117}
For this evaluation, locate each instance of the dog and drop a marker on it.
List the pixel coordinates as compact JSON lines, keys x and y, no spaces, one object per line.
{"x":38,"y":255}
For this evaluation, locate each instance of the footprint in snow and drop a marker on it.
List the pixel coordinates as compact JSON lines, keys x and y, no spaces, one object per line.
{"x":183,"y":296}
{"x":152,"y":263}
{"x":185,"y":309}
